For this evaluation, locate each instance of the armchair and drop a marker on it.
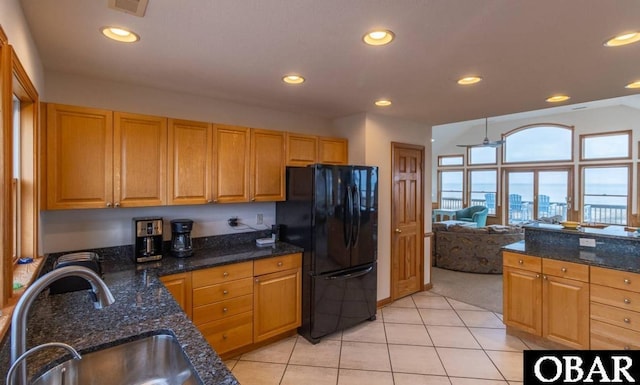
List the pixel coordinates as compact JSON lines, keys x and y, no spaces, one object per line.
{"x":477,"y":214}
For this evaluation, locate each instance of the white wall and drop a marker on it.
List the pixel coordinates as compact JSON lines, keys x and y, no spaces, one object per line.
{"x":354,"y":127}
{"x":15,"y":27}
{"x":586,"y":121}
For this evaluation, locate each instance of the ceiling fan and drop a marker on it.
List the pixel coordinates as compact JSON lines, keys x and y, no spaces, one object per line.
{"x":486,"y":142}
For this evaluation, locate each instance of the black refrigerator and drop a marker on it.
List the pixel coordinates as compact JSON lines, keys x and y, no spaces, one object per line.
{"x":332,"y":213}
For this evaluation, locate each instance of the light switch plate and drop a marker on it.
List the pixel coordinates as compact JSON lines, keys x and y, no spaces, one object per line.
{"x":587,"y":242}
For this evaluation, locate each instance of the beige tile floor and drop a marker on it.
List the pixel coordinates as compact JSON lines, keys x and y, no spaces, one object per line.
{"x":425,"y":339}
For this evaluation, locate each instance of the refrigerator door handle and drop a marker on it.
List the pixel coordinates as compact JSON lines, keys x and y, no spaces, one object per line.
{"x":351,"y":275}
{"x":348,"y":218}
{"x":358,"y":215}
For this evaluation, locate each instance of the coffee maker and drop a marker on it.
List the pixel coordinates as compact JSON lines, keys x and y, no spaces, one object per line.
{"x":181,"y":238}
{"x":147,"y":243}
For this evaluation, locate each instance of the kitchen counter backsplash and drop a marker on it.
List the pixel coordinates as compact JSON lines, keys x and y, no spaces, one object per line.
{"x":143,"y":305}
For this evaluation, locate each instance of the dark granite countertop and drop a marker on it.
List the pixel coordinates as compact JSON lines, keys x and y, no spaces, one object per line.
{"x":612,"y":232}
{"x":143,"y":306}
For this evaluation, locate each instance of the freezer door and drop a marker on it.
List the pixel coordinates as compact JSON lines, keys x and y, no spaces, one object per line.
{"x":364,"y":191}
{"x":343,"y":300}
{"x":333,"y":218}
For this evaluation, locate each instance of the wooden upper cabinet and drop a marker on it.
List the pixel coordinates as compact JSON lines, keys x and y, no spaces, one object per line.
{"x":140,"y":160}
{"x":79,"y":157}
{"x":267,"y":165}
{"x":232,"y":163}
{"x":190,"y":162}
{"x":302,"y":150}
{"x":333,"y":150}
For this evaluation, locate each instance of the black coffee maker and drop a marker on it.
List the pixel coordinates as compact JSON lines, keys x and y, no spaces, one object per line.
{"x":181,"y":238}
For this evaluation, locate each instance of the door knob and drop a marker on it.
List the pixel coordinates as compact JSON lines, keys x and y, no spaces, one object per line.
{"x":398,"y":231}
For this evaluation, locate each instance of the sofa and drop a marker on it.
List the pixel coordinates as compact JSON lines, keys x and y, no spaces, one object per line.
{"x":473,"y":250}
{"x":477,"y":214}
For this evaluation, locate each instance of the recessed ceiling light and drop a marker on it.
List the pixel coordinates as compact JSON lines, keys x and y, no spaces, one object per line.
{"x":378,"y":37}
{"x":558,"y":98}
{"x":467,"y":80}
{"x":293,"y":79}
{"x":635,"y":84}
{"x":383,"y":102}
{"x":623,"y":39}
{"x":120,"y":34}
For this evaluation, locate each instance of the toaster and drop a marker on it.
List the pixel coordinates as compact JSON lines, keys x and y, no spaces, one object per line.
{"x":68,"y":284}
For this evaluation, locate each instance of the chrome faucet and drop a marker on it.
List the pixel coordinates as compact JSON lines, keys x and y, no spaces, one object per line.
{"x":102,"y":297}
{"x":24,"y":356}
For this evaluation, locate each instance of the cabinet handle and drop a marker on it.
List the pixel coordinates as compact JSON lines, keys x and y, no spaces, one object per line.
{"x":627,"y":347}
{"x":209,"y":201}
{"x":253,"y":199}
{"x":224,"y":336}
{"x":564,"y":270}
{"x":627,"y":321}
{"x":280,"y":264}
{"x":520,"y":261}
{"x":537,"y":275}
{"x":215,"y":201}
{"x":544,"y":277}
{"x":627,"y":301}
{"x":108,"y":204}
{"x":225,"y":292}
{"x":627,"y":281}
{"x":225,"y":274}
{"x":117,"y":204}
{"x":224,"y":310}
{"x":257,"y":280}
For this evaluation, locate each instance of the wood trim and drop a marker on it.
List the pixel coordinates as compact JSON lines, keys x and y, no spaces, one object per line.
{"x":3,"y":37}
{"x":511,"y":132}
{"x":610,"y":133}
{"x":440,"y":157}
{"x":384,"y":302}
{"x":427,"y":286}
{"x":6,"y":232}
{"x":581,"y":168}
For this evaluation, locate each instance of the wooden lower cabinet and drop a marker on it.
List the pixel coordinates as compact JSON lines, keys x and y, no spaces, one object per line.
{"x":237,"y":305}
{"x":522,"y":300}
{"x":565,"y":311}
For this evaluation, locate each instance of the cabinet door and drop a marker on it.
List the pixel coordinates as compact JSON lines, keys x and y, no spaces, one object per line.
{"x":277,"y":303}
{"x":522,"y":300}
{"x":179,"y":285}
{"x":267,"y":165}
{"x":140,"y":160}
{"x":565,"y":311}
{"x":301,"y":149}
{"x":79,"y":157}
{"x":190,"y":159}
{"x":333,"y":151}
{"x":232,"y":165}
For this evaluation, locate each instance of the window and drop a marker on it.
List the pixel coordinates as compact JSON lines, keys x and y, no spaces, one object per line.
{"x":450,"y":160}
{"x":482,"y":155}
{"x":483,"y":188}
{"x":539,"y":143}
{"x":605,"y":194}
{"x":15,"y":182}
{"x":451,"y":189}
{"x":612,"y":145}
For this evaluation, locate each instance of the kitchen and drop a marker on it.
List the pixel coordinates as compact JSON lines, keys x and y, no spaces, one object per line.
{"x":368,"y":134}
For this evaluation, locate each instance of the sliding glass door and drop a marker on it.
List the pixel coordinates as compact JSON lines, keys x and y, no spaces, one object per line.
{"x":537,"y":194}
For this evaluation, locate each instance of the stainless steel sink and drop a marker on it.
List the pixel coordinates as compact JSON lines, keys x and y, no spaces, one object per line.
{"x":153,"y":360}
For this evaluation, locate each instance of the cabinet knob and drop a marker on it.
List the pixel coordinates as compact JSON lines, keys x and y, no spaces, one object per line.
{"x":215,"y":201}
{"x":225,"y":274}
{"x":627,"y":347}
{"x":627,"y":301}
{"x":544,"y":277}
{"x":253,"y":199}
{"x":520,"y":261}
{"x":398,"y":231}
{"x":225,"y":292}
{"x":224,"y":336}
{"x":117,"y":204}
{"x":224,"y":310}
{"x":627,"y":281}
{"x":209,"y":201}
{"x":564,"y":270}
{"x":280,"y":264}
{"x":257,"y":280}
{"x":537,"y":275}
{"x":627,"y":321}
{"x":108,"y":204}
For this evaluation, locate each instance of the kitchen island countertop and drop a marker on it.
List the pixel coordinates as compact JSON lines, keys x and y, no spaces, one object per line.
{"x":143,"y":307}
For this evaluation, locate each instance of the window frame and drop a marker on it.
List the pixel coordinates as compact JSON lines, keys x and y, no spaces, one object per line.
{"x":601,"y":134}
{"x":529,"y":126}
{"x":464,"y":187}
{"x":581,"y":188}
{"x":441,"y":157}
{"x":469,"y":158}
{"x":497,"y":207}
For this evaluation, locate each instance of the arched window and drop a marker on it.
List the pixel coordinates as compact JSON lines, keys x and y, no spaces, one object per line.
{"x":539,"y":143}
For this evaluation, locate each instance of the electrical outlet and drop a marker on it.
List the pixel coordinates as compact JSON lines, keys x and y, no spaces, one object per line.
{"x":587,"y":242}
{"x":259,"y":219}
{"x":233,"y":222}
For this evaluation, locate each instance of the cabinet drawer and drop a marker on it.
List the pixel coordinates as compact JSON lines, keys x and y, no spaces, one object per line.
{"x":615,"y":316}
{"x":565,"y":269}
{"x":610,"y":337}
{"x":222,"y":309}
{"x":222,"y":291}
{"x":230,"y":333}
{"x":275,"y":264}
{"x":615,"y":297}
{"x":615,"y":278}
{"x":220,"y":274}
{"x":521,"y":261}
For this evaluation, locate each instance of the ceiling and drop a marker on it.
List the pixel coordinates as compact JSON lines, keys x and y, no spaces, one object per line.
{"x":238,"y":50}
